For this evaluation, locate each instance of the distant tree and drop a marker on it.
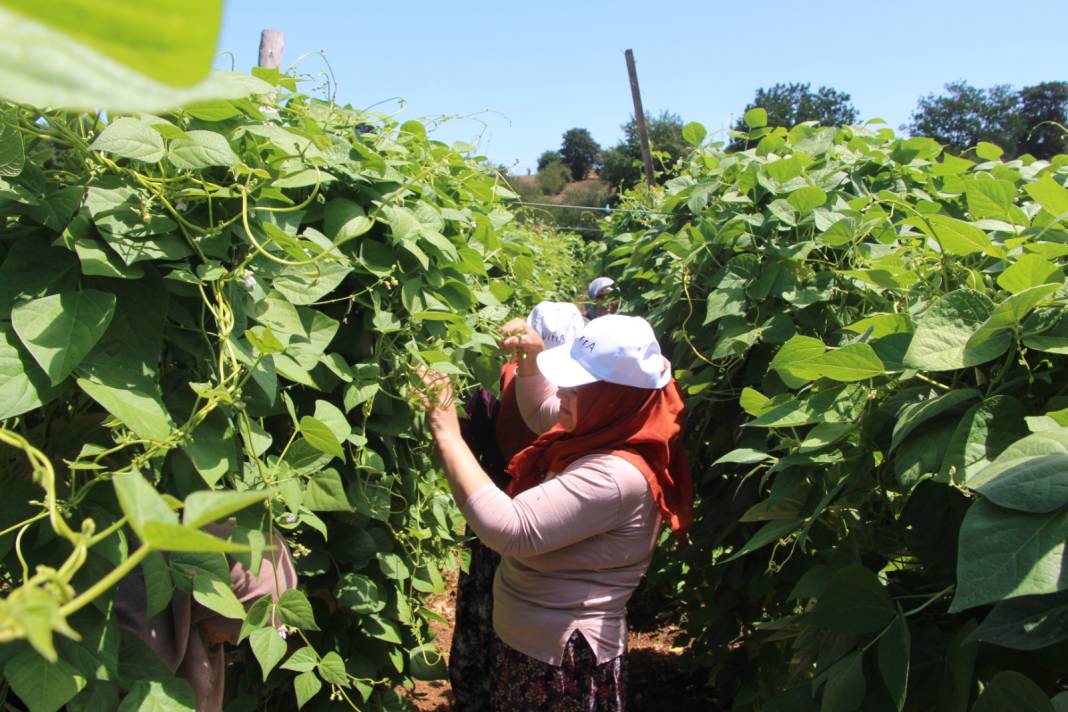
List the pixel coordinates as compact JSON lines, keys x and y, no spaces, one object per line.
{"x":579,"y":152}
{"x":966,"y":115}
{"x":548,"y":157}
{"x":621,"y":165}
{"x":791,"y":104}
{"x":553,"y":177}
{"x":1045,"y":102}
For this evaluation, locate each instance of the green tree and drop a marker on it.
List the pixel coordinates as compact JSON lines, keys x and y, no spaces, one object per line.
{"x":621,"y":165}
{"x":579,"y":152}
{"x":791,"y":104}
{"x":1042,"y":106}
{"x":548,"y":157}
{"x":553,"y":177}
{"x":965,"y":115}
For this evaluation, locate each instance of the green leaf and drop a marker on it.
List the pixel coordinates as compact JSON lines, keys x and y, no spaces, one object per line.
{"x":130,"y":138}
{"x":174,"y":537}
{"x":303,"y":660}
{"x":769,"y":532}
{"x":217,"y":595}
{"x":807,"y":199}
{"x":756,"y":118}
{"x":942,"y":332}
{"x":320,"y":437}
{"x":60,"y":330}
{"x":392,"y":566}
{"x":894,"y":654}
{"x":845,"y":688}
{"x":44,"y":686}
{"x":1028,"y":475}
{"x":344,"y":220}
{"x":914,"y":415}
{"x":268,"y":647}
{"x":326,"y":493}
{"x":1004,"y":554}
{"x":743,"y":455}
{"x":982,"y":433}
{"x":159,"y":588}
{"x":205,"y":507}
{"x":1010,"y":690}
{"x":956,"y":237}
{"x":295,"y":610}
{"x":306,"y":686}
{"x":215,"y":110}
{"x":359,"y":594}
{"x":988,"y":151}
{"x":201,"y":149}
{"x":427,"y":663}
{"x":853,"y":362}
{"x":23,"y":385}
{"x":1026,"y":622}
{"x":694,"y":133}
{"x":168,"y":695}
{"x":792,"y":358}
{"x":264,"y":340}
{"x":332,"y":669}
{"x":12,"y":151}
{"x":1050,"y":195}
{"x":137,"y":404}
{"x":212,"y":448}
{"x":140,"y":501}
{"x":995,"y":336}
{"x":382,"y":628}
{"x":331,"y":416}
{"x":1030,"y":271}
{"x":854,"y":601}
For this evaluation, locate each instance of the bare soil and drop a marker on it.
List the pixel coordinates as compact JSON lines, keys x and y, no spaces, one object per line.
{"x":656,"y":682}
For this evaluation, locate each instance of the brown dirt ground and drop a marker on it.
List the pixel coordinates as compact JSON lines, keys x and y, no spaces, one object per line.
{"x":656,"y":682}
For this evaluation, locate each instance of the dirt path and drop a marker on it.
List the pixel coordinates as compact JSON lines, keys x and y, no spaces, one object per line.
{"x":656,"y":681}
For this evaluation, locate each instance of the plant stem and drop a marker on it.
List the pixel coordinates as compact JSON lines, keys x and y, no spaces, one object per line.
{"x":97,"y":589}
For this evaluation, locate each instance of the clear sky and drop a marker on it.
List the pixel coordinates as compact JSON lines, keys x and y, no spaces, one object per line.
{"x":525,"y":72}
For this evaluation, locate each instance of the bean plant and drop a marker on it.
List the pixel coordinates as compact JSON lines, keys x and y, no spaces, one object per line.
{"x":872,"y":336}
{"x":213,"y":314}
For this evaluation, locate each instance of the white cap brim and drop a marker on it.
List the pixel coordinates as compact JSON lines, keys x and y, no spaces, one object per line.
{"x":561,"y":370}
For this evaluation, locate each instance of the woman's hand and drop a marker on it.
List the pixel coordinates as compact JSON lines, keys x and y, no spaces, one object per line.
{"x":438,"y":399}
{"x":517,"y":335}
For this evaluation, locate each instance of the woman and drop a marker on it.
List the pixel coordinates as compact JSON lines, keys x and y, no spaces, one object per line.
{"x":601,"y":297}
{"x":495,"y":431}
{"x":588,"y":499}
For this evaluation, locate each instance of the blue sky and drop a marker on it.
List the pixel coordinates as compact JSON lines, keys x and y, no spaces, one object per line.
{"x":522,"y":73}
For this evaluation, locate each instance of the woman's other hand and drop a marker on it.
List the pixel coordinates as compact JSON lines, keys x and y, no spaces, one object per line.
{"x":518,"y":336}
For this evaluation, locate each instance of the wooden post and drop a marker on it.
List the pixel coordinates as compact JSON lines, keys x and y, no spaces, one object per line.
{"x":271,"y":44}
{"x":639,"y":117}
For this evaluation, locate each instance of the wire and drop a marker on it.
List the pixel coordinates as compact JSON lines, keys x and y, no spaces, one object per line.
{"x":587,"y":207}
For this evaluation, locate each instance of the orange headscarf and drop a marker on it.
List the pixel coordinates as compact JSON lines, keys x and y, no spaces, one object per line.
{"x":641,"y":425}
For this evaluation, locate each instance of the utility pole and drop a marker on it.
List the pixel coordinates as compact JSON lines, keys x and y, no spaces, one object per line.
{"x":639,"y":117}
{"x":271,"y":44}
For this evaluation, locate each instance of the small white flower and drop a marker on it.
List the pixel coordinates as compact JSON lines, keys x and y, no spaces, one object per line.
{"x":179,"y":205}
{"x":250,"y":280}
{"x":291,"y":519}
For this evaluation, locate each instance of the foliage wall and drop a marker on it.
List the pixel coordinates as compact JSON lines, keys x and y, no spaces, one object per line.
{"x":215,"y":313}
{"x":873,"y":338}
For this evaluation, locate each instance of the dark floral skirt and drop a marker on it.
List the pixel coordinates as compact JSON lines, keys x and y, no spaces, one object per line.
{"x":470,"y":664}
{"x":579,"y":684}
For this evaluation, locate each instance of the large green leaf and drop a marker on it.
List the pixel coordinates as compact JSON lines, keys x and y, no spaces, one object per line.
{"x":894,"y":659}
{"x":268,"y":647}
{"x":1026,"y":622}
{"x":201,"y":149}
{"x":166,"y":695}
{"x":12,"y":150}
{"x":1028,"y":475}
{"x":205,"y":507}
{"x":853,"y":362}
{"x":61,"y":329}
{"x":853,"y":602}
{"x":981,"y":434}
{"x":956,"y":237}
{"x":212,"y":448}
{"x":1030,"y":271}
{"x":845,"y":687}
{"x":1004,"y":554}
{"x":943,"y":331}
{"x":43,"y":685}
{"x":23,"y":385}
{"x":995,"y":335}
{"x":1010,"y":690}
{"x":217,"y":595}
{"x":914,"y":415}
{"x":140,"y":501}
{"x":121,"y":55}
{"x":321,"y":437}
{"x":130,"y":138}
{"x":427,"y":663}
{"x":1050,"y":195}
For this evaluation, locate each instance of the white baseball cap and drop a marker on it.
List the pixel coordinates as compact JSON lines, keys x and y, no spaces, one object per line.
{"x":613,"y":348}
{"x":557,"y":323}
{"x":597,"y":285}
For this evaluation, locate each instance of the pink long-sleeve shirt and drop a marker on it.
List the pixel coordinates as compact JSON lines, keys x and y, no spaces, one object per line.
{"x":573,"y":548}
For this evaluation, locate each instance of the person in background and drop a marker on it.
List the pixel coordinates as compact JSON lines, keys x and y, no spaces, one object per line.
{"x":579,"y":523}
{"x":495,"y":431}
{"x":601,"y":297}
{"x":189,"y":638}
